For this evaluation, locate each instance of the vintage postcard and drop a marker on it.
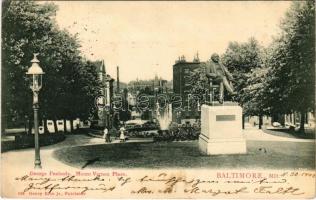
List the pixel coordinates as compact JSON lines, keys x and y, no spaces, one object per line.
{"x":158,"y":99}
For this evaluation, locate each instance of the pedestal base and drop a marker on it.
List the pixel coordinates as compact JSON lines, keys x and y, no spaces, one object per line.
{"x":221,"y":130}
{"x":222,"y":146}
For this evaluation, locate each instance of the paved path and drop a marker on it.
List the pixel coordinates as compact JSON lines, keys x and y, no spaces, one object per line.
{"x":25,"y":157}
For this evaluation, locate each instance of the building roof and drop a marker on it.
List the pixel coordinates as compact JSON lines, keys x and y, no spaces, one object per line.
{"x":188,"y":63}
{"x":100,"y":66}
{"x":109,"y":78}
{"x":101,"y":69}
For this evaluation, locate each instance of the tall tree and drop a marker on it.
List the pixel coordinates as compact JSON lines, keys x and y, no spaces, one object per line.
{"x":292,"y":61}
{"x":241,"y":59}
{"x":25,"y":30}
{"x":255,"y":94}
{"x":69,"y":83}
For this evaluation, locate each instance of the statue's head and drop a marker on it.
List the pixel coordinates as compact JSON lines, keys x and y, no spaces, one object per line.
{"x":215,"y":57}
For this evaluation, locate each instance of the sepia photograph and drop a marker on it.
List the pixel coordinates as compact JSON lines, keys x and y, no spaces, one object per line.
{"x":158,"y":99}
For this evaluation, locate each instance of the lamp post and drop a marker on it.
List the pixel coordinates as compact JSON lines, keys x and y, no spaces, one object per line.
{"x":36,"y":72}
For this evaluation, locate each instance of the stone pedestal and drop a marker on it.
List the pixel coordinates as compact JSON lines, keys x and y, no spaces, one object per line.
{"x":221,"y":130}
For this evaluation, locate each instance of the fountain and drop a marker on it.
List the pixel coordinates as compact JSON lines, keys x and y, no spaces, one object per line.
{"x":164,"y":117}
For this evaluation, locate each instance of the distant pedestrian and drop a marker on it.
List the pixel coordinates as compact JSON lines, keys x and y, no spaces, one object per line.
{"x":106,"y":135}
{"x":122,"y":136}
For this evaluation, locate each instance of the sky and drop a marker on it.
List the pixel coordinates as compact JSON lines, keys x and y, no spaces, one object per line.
{"x":145,"y":38}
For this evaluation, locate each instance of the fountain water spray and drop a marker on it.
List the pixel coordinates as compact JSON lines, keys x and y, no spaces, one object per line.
{"x":164,"y":117}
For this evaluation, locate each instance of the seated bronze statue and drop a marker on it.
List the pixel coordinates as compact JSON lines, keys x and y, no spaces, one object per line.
{"x":218,"y":74}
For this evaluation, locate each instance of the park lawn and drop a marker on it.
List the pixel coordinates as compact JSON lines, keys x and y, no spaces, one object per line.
{"x":260,"y":154}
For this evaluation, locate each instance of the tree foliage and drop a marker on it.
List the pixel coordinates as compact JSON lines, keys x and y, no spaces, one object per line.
{"x":240,"y":59}
{"x":292,"y":60}
{"x":70,"y":83}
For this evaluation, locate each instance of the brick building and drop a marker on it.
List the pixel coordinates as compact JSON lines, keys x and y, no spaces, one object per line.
{"x":182,"y":84}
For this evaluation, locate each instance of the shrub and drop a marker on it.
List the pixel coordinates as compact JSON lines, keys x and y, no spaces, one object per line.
{"x":178,"y":134}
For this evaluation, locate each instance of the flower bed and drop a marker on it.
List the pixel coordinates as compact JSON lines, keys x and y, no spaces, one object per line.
{"x":178,"y":134}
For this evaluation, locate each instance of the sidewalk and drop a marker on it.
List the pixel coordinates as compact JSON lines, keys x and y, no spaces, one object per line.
{"x":25,"y":157}
{"x":255,"y":134}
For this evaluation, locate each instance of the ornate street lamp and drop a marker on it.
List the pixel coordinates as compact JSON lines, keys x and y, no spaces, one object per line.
{"x":36,"y":72}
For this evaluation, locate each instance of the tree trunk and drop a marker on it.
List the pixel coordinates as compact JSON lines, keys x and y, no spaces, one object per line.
{"x":55,"y":126}
{"x":306,"y":118}
{"x":243,"y":121}
{"x":30,"y":126}
{"x":260,"y":121}
{"x":274,"y":118}
{"x":45,"y":126}
{"x":282,"y":119}
{"x":294,"y":118}
{"x":302,"y":129}
{"x":4,"y":122}
{"x":25,"y":125}
{"x":71,"y":125}
{"x":65,"y":126}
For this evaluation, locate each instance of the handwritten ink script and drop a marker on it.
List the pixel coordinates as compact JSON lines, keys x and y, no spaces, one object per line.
{"x":218,"y":184}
